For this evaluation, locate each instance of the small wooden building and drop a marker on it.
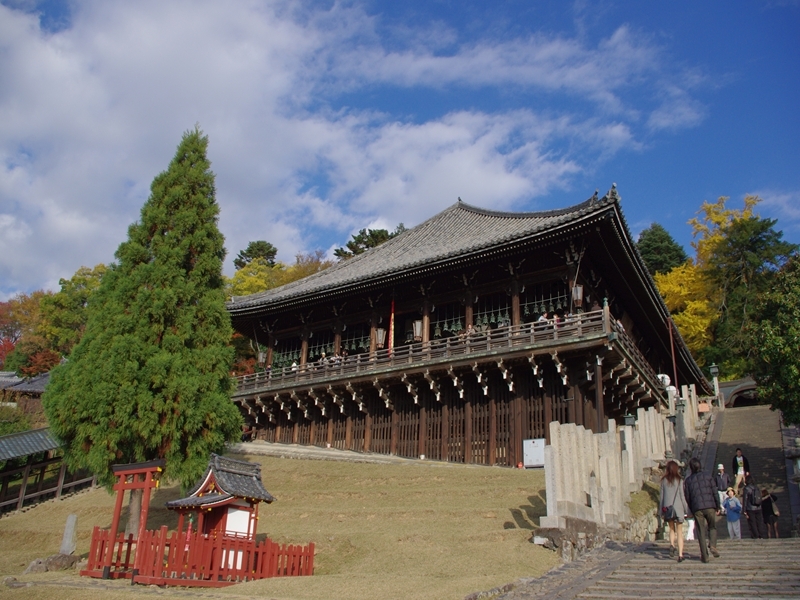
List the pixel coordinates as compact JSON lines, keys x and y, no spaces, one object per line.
{"x":222,"y":550}
{"x":463,"y":336}
{"x":225,"y":500}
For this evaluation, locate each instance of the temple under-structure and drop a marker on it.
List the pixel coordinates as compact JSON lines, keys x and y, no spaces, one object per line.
{"x":462,"y":337}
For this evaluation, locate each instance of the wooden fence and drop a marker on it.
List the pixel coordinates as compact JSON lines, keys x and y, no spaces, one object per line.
{"x":36,"y":481}
{"x":163,"y":558}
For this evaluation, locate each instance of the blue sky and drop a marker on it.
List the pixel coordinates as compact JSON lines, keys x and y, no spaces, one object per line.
{"x":326,"y":117}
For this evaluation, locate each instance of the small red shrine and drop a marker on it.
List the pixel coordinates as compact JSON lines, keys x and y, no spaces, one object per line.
{"x":222,"y":550}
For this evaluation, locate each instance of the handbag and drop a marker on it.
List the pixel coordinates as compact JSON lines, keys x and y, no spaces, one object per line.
{"x":669,"y":511}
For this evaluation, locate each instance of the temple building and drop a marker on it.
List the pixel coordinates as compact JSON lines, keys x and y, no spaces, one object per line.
{"x":462,"y":337}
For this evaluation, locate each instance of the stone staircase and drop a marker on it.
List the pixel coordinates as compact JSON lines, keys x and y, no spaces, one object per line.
{"x":745,"y":569}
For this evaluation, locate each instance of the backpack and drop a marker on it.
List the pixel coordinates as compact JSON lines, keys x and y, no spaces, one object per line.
{"x":755,"y":497}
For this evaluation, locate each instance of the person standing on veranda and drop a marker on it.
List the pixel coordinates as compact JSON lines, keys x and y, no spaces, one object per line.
{"x":672,"y":496}
{"x":703,"y":502}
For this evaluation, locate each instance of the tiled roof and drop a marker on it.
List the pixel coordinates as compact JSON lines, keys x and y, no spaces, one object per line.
{"x":34,"y":384}
{"x":16,"y":445}
{"x":198,"y":501}
{"x":236,"y":478}
{"x":459,"y":230}
{"x":9,"y":379}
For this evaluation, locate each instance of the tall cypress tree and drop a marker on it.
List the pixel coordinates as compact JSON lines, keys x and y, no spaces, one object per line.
{"x":150,"y":377}
{"x":660,"y":251}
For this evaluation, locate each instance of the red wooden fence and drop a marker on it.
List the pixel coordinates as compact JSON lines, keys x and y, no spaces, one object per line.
{"x":195,"y":559}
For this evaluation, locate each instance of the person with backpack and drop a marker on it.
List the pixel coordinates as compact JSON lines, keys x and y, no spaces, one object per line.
{"x":752,"y":508}
{"x":700,"y":490}
{"x":733,"y":514}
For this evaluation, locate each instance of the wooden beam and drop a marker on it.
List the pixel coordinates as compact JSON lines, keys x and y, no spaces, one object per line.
{"x":329,"y":440}
{"x":598,"y":394}
{"x":492,"y":431}
{"x":426,"y":322}
{"x":468,"y":431}
{"x":393,"y":439}
{"x":548,"y":413}
{"x":515,"y":312}
{"x":445,"y":430}
{"x":367,"y":431}
{"x":24,"y":486}
{"x":423,"y":431}
{"x":348,"y":433}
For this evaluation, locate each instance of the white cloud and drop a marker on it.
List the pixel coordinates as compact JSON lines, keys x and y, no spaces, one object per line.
{"x":91,"y":113}
{"x":781,"y":205}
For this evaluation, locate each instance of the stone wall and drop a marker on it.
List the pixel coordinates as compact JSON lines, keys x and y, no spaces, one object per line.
{"x":590,"y":476}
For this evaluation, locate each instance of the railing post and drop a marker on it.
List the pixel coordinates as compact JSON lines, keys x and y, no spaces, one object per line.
{"x":606,"y":316}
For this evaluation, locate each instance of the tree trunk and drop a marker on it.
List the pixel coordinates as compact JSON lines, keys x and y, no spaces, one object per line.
{"x":134,"y":514}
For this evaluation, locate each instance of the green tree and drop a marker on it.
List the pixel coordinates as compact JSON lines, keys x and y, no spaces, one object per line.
{"x":776,"y":343}
{"x":256,"y":250}
{"x":63,"y":314}
{"x":659,"y":250}
{"x":149,"y":379}
{"x":366,"y":239}
{"x":743,"y":265}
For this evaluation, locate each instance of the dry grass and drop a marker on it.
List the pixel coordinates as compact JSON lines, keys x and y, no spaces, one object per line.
{"x":381,"y":531}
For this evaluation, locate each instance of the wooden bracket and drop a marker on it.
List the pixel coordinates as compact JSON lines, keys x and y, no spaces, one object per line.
{"x":412,"y":388}
{"x":508,"y":376}
{"x":483,"y":378}
{"x":357,"y":397}
{"x":434,"y":385}
{"x":337,"y":399}
{"x":560,"y":367}
{"x":384,"y":394}
{"x":318,"y":402}
{"x":457,"y":381}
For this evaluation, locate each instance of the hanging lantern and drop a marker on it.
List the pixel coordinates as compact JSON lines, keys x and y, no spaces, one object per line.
{"x":526,"y":312}
{"x":457,"y":326}
{"x":542,"y":309}
{"x":558,"y":306}
{"x":437,"y":333}
{"x":485,"y":320}
{"x":493,"y":318}
{"x":551,"y":305}
{"x":506,"y":319}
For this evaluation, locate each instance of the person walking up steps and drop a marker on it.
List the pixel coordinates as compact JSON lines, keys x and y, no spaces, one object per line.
{"x":752,"y":508}
{"x":673,"y":506}
{"x":723,"y":481}
{"x":770,"y":512}
{"x":703,"y":502}
{"x":740,"y":468}
{"x":733,"y":514}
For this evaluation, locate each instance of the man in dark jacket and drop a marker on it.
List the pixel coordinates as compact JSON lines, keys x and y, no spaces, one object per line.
{"x":700,"y":490}
{"x":752,"y":508}
{"x":723,"y":482}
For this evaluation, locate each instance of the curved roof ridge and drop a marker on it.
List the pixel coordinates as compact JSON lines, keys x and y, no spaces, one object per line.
{"x":528,"y":214}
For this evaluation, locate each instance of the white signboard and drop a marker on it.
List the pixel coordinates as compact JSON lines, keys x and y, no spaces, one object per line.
{"x":533,"y":453}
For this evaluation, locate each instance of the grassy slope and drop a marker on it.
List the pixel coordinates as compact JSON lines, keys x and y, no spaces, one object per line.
{"x":390,"y":531}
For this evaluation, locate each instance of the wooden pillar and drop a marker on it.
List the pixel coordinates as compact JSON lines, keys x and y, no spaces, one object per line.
{"x":516,"y":318}
{"x":373,"y":334}
{"x":393,"y":439}
{"x":270,"y":348}
{"x":492,"y":431}
{"x":469,"y":309}
{"x":577,"y":401}
{"x":337,"y":339}
{"x":571,"y":411}
{"x":112,"y":533}
{"x":295,"y":432}
{"x":277,"y":432}
{"x":329,"y":440}
{"x":468,"y":431}
{"x":548,"y":413}
{"x":423,"y":431}
{"x":312,"y":435}
{"x":426,"y":322}
{"x":304,"y":348}
{"x":598,"y":395}
{"x":348,"y":433}
{"x":445,"y":430}
{"x":367,"y":431}
{"x":24,"y":486}
{"x":145,"y":508}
